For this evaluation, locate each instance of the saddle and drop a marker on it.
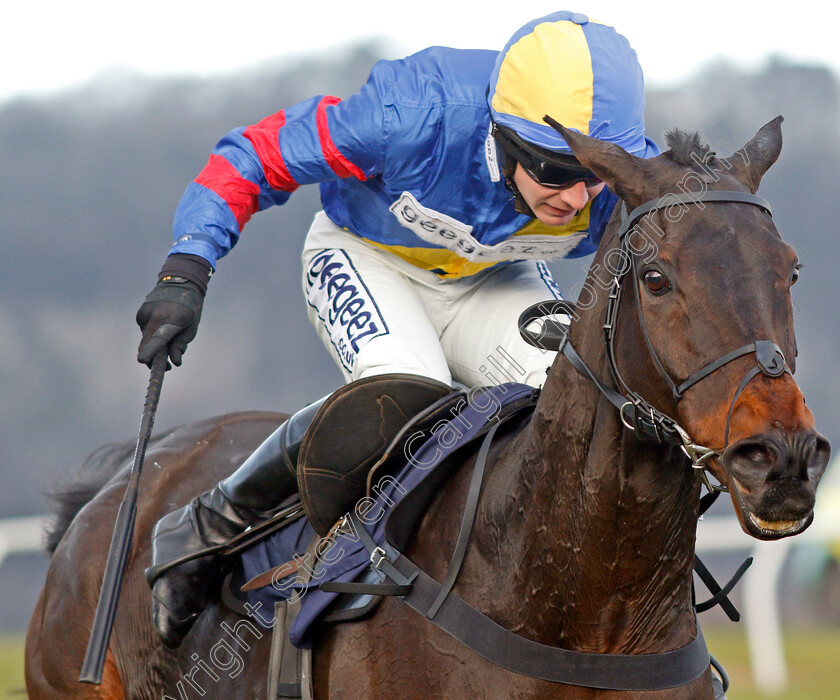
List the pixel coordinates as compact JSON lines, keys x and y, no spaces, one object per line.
{"x":354,"y":432}
{"x":357,"y":438}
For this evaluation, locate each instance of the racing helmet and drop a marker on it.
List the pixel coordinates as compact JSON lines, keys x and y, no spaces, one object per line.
{"x":581,"y":73}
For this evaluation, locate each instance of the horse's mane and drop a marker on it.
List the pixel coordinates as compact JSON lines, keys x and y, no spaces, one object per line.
{"x":77,"y":489}
{"x":684,"y":144}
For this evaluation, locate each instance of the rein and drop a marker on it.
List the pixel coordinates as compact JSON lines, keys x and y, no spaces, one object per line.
{"x":637,"y":414}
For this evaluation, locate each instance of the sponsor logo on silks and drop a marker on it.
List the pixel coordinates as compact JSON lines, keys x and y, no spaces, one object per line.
{"x":345,"y":305}
{"x":445,"y":232}
{"x":491,"y":156}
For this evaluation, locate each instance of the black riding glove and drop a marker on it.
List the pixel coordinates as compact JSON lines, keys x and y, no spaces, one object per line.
{"x":170,"y":314}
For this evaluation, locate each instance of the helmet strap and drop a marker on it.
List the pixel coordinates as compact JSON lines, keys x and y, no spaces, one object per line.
{"x":519,"y":203}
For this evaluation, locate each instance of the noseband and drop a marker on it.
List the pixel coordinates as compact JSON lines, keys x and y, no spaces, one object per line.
{"x":636,"y":413}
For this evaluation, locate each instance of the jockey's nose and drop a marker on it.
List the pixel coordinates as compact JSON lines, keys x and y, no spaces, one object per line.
{"x":576,"y":196}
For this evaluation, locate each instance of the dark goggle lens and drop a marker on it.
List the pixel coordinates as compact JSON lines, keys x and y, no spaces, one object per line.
{"x":558,"y":177}
{"x":548,"y":173}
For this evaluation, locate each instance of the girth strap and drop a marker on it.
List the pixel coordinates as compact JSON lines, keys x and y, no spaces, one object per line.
{"x":467,"y":522}
{"x":355,"y":588}
{"x":521,"y":655}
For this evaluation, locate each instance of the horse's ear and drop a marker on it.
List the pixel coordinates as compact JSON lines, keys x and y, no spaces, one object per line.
{"x":749,"y":163}
{"x":625,"y":174}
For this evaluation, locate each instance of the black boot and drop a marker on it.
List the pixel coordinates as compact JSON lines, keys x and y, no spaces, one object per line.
{"x":255,"y":491}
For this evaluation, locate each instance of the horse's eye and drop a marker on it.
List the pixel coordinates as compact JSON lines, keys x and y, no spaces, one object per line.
{"x":656,"y":282}
{"x":794,"y":275}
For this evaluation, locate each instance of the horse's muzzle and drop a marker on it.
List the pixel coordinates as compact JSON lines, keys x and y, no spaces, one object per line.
{"x":773,"y":479}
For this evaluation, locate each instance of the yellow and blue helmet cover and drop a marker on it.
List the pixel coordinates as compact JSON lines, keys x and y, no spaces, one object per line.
{"x":582,"y":73}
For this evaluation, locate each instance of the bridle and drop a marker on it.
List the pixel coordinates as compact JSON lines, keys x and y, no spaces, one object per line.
{"x":636,"y":413}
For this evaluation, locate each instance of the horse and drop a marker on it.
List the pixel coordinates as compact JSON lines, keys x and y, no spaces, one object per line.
{"x":584,"y":534}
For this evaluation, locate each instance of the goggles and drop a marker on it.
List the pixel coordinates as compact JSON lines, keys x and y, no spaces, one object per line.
{"x":549,"y":169}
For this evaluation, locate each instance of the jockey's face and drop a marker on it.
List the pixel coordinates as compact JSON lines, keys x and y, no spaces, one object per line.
{"x":552,"y":206}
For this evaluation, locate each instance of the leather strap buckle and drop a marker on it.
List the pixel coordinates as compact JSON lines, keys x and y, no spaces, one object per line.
{"x":377,"y":556}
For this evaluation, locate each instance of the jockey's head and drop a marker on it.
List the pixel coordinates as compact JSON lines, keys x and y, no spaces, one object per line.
{"x":585,"y":75}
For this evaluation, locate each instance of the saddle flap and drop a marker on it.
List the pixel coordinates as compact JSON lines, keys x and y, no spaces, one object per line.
{"x":349,"y":434}
{"x":403,"y":518}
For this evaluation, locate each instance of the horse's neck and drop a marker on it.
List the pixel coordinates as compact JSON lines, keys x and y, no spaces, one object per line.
{"x":599,"y":527}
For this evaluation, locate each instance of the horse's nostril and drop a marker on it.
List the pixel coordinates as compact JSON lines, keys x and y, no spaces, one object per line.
{"x":756,"y":453}
{"x":756,"y":461}
{"x":813,"y":455}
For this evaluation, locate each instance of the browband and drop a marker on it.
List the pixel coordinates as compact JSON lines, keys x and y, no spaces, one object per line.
{"x":628,"y":221}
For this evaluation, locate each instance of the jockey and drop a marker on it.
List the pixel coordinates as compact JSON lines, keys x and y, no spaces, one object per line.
{"x":443,"y":191}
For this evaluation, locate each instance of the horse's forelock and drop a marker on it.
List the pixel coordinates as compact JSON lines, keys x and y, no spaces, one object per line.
{"x":687,"y":147}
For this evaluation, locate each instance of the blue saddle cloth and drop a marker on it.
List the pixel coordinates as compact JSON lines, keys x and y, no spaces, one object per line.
{"x":347,"y":557}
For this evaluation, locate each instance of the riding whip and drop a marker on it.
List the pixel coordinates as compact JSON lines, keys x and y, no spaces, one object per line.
{"x":109,"y":593}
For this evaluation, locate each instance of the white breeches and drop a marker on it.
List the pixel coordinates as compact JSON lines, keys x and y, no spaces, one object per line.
{"x":377,"y":313}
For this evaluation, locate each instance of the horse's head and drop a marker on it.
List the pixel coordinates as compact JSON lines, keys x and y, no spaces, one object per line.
{"x":710,"y":278}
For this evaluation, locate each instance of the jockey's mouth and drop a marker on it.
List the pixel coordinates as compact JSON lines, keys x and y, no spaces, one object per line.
{"x":561,"y":211}
{"x":565,"y":214}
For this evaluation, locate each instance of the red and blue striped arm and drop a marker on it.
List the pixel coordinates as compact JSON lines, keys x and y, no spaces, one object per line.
{"x":259,"y":166}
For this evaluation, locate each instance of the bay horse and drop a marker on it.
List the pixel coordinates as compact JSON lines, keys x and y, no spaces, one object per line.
{"x":584,"y":535}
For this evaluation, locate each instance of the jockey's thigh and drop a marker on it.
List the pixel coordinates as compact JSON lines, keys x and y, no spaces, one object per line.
{"x":481,"y":339}
{"x":365,"y":309}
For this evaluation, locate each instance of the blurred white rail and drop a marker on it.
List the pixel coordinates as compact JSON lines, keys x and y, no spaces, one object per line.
{"x":762,"y":617}
{"x":21,"y":535}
